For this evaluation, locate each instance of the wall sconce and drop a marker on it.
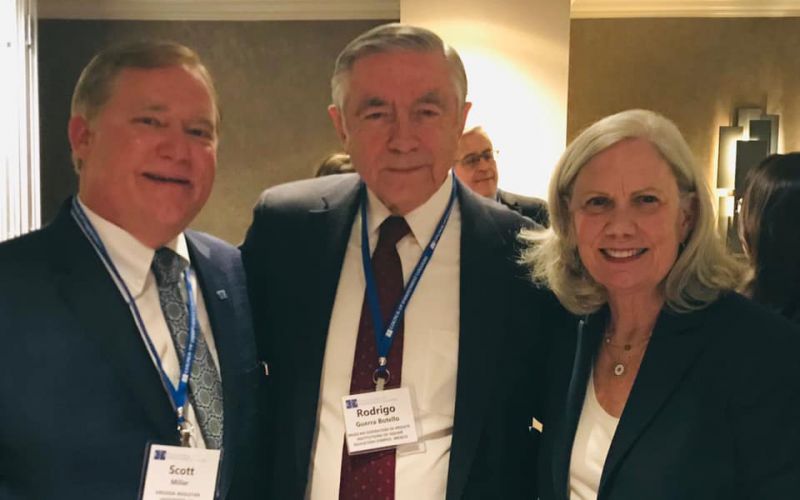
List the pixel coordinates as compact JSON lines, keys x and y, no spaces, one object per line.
{"x":741,"y":147}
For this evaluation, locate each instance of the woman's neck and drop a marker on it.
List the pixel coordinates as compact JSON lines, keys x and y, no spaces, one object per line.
{"x":633,"y":316}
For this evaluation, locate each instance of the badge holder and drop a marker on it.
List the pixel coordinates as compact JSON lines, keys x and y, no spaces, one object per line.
{"x":177,"y":472}
{"x":380,"y":420}
{"x":385,"y":419}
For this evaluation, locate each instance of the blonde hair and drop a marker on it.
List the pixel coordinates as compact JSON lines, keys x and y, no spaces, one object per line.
{"x":703,"y":269}
{"x":335,"y":163}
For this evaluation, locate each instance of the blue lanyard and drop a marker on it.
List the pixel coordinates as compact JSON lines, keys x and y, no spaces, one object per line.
{"x":384,"y":337}
{"x":177,"y":394}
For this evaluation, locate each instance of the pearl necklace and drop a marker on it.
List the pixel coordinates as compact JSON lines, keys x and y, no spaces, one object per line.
{"x":619,"y":366}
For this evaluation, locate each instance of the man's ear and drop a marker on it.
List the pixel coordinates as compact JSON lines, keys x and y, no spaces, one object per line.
{"x":80,"y":136}
{"x":338,"y":123}
{"x":464,"y":114}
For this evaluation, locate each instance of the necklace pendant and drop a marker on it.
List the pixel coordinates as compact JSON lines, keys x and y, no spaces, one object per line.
{"x":619,"y":369}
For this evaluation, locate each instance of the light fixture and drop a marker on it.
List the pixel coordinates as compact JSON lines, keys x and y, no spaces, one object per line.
{"x":742,"y":146}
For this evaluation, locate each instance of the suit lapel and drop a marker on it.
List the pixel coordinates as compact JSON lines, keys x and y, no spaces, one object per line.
{"x":481,"y":318}
{"x":328,"y":231}
{"x":218,"y":296}
{"x":587,"y":339}
{"x":675,"y":344}
{"x":99,"y":308}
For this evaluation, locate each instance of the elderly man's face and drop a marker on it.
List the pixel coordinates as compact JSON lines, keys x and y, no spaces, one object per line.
{"x":149,"y":156}
{"x":400,"y":124}
{"x":476,"y":165}
{"x":629,"y":218}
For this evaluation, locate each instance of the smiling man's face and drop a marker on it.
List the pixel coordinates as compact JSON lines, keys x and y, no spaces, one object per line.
{"x":149,"y":157}
{"x":400,"y":124}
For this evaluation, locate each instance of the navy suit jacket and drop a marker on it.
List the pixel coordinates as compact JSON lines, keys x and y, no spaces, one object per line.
{"x":714,"y":412}
{"x":79,"y":394}
{"x":293,"y":255}
{"x":533,"y":208}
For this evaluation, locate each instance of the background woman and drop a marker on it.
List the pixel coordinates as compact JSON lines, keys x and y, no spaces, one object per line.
{"x":769,"y":233}
{"x":672,"y":386}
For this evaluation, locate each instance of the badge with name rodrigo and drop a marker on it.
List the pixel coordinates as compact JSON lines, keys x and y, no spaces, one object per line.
{"x":179,"y":472}
{"x":378,"y":420}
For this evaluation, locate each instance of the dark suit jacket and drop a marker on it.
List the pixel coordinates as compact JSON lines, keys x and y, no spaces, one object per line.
{"x":532,"y":208}
{"x":293,"y":256}
{"x":79,"y":395}
{"x":714,"y":412}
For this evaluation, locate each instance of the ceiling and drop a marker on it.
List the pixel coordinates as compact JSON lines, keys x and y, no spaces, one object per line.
{"x":387,"y":9}
{"x":220,"y":10}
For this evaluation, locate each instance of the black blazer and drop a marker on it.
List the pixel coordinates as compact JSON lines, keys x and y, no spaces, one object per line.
{"x":533,"y":208}
{"x":714,"y":412}
{"x":79,"y":395}
{"x":293,"y":255}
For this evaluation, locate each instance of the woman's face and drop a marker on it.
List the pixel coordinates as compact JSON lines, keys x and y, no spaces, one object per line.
{"x":628,"y":217}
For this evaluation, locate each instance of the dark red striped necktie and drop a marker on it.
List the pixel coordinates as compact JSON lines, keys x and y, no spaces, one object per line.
{"x":371,"y":476}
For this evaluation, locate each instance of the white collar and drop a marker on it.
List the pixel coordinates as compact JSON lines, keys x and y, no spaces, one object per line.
{"x":422,"y":220}
{"x":131,"y":257}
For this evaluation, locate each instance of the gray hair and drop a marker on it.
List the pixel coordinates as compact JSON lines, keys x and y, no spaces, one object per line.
{"x":477,"y":129}
{"x":95,"y":83}
{"x":703,"y":269}
{"x":395,"y":37}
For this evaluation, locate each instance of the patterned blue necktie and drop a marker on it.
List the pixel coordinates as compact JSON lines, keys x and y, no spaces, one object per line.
{"x":205,"y":388}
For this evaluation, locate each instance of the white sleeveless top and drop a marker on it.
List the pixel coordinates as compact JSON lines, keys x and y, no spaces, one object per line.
{"x":589,"y":450}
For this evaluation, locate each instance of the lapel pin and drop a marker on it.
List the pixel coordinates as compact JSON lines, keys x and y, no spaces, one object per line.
{"x":222,"y":294}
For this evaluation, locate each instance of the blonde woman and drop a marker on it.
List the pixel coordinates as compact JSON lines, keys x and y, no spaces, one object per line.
{"x":670,"y":386}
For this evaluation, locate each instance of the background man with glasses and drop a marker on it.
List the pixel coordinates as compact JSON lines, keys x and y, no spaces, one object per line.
{"x":476,"y":166}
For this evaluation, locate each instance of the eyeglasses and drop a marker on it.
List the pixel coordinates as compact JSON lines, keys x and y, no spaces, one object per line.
{"x":473,"y":159}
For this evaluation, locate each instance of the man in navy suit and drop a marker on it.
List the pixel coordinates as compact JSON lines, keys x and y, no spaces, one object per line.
{"x":92,"y":342}
{"x":399,"y":108}
{"x":476,"y":166}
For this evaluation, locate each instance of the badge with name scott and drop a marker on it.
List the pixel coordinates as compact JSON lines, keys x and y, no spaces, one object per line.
{"x":378,"y":420}
{"x":177,"y":472}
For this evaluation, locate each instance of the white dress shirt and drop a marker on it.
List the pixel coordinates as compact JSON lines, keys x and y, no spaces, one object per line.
{"x":593,"y":437}
{"x":430,"y":352}
{"x":133,"y":260}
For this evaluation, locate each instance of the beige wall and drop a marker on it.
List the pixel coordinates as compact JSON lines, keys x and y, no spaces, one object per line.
{"x":695,"y":71}
{"x":273,"y":83}
{"x":516,"y":54}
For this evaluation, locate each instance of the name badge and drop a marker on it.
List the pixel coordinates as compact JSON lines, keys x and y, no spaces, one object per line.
{"x":180,"y":473}
{"x":378,"y":420}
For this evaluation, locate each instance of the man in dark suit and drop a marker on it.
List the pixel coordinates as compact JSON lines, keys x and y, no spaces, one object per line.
{"x":92,"y":341}
{"x":399,"y":108}
{"x":476,"y":166}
